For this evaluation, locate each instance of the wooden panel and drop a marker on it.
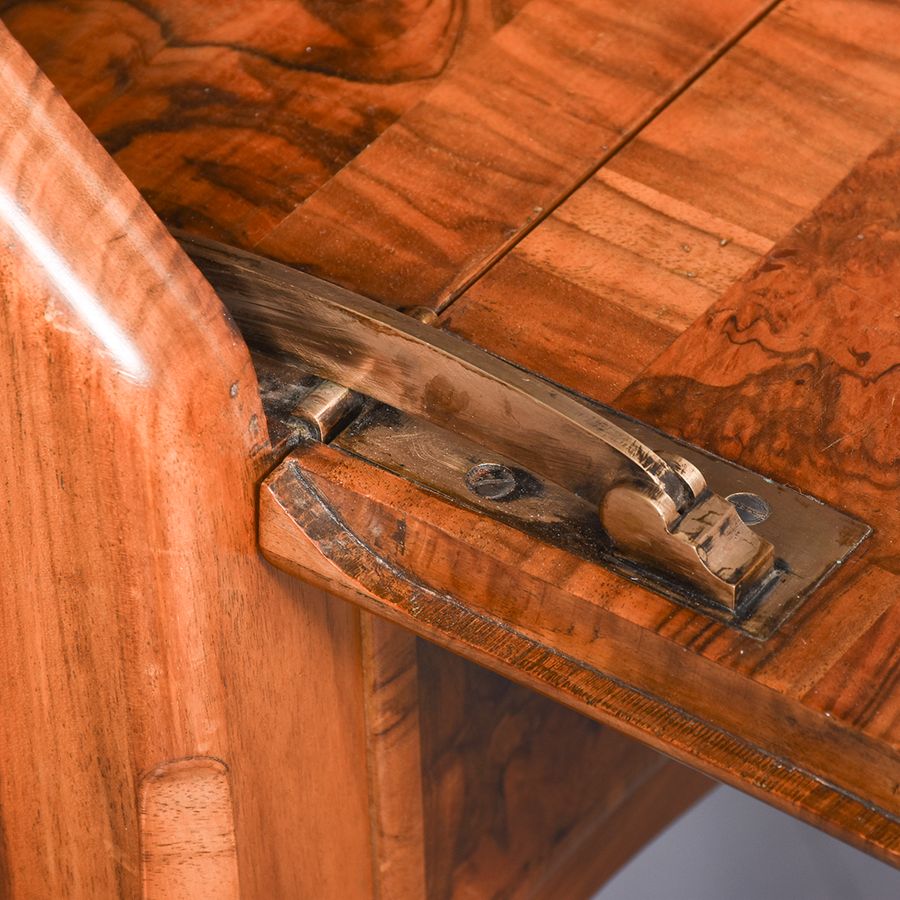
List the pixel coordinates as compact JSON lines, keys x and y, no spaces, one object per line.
{"x":793,"y":372}
{"x":567,"y":790}
{"x":139,"y":624}
{"x":227,"y":115}
{"x":391,"y":673}
{"x":419,"y":214}
{"x":187,"y":832}
{"x":632,"y":258}
{"x":516,"y":796}
{"x":290,"y":656}
{"x":649,"y":809}
{"x":582,"y":635}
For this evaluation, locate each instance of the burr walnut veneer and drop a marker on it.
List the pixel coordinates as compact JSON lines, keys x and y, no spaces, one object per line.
{"x":689,"y":210}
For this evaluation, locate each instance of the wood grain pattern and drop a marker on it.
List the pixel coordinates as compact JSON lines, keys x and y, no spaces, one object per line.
{"x":267,"y":637}
{"x":633,"y":257}
{"x":391,"y":675}
{"x":629,"y":826}
{"x":796,"y":373}
{"x":474,"y":728}
{"x":228,"y":115}
{"x":549,"y":834}
{"x":575,"y":641}
{"x":187,"y":832}
{"x":450,"y":186}
{"x":191,"y":149}
{"x":139,"y":624}
{"x":793,"y":372}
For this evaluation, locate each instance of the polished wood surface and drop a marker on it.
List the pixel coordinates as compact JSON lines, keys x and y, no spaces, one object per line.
{"x":228,"y":115}
{"x":796,"y":373}
{"x":458,"y":179}
{"x":403,"y":154}
{"x":368,"y":776}
{"x":635,"y":256}
{"x":187,"y":832}
{"x":139,"y":625}
{"x":546,"y":835}
{"x":393,"y":732}
{"x":774,"y":374}
{"x":399,"y":155}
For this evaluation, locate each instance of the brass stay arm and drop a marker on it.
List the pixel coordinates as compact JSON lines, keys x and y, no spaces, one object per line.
{"x":656,"y":511}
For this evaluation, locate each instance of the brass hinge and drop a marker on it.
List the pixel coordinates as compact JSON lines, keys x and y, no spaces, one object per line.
{"x":687,"y":523}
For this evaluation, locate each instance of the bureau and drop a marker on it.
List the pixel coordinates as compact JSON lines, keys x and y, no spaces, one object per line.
{"x":243,"y":657}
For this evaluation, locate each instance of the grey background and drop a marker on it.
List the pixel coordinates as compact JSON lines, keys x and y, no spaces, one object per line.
{"x":732,"y":847}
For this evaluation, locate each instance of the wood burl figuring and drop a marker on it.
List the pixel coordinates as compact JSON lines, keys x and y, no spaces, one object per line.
{"x":265,"y":637}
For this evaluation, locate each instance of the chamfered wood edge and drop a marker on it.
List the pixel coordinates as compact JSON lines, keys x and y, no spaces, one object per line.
{"x":301,"y":533}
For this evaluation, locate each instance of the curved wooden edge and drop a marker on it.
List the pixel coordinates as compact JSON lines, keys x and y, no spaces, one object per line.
{"x":110,"y":276}
{"x":142,"y":624}
{"x":302,"y":531}
{"x":139,"y":621}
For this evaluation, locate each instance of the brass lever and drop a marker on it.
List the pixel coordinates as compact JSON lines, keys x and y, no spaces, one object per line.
{"x":657,"y":511}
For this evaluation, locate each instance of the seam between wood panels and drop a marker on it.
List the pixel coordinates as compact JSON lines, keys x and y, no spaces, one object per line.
{"x":455,"y":290}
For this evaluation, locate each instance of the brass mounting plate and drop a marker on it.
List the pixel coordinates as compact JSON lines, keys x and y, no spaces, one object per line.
{"x":812,"y":538}
{"x":656,"y":504}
